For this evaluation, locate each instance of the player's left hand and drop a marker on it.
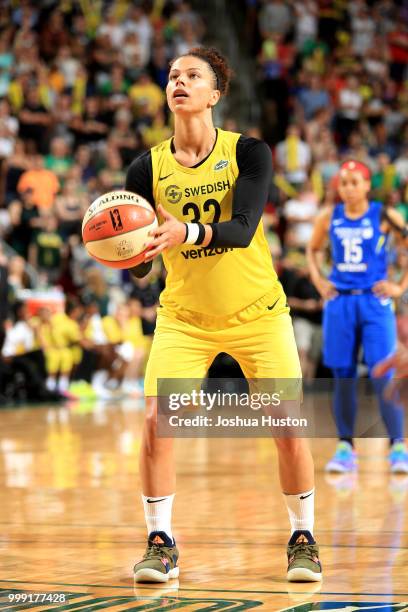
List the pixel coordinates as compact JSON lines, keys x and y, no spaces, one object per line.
{"x":171,"y":232}
{"x":397,"y":390}
{"x":386,"y":289}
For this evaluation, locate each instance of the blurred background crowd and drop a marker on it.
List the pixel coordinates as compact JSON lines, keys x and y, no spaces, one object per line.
{"x":82,"y":94}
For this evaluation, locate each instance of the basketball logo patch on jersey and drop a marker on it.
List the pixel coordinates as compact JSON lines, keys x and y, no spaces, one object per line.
{"x":223,"y":163}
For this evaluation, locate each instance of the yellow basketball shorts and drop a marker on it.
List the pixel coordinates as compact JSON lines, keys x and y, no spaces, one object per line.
{"x":59,"y":360}
{"x":263,"y":346}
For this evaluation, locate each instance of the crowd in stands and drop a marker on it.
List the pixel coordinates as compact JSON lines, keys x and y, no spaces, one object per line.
{"x":82,"y":95}
{"x":332,"y":78}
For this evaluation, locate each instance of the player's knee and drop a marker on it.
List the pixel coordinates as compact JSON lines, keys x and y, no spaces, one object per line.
{"x":151,"y":422}
{"x":152,"y":445}
{"x":151,"y":414}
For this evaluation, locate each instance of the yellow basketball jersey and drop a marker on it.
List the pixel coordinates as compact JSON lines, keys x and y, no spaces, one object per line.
{"x":65,"y":329}
{"x":212,"y":281}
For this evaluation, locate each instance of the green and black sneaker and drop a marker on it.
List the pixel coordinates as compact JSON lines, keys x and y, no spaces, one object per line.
{"x":159,"y":562}
{"x":303,"y":558}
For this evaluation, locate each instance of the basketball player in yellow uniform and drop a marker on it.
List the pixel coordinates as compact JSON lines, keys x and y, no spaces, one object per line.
{"x":59,"y":358}
{"x":209,"y":188}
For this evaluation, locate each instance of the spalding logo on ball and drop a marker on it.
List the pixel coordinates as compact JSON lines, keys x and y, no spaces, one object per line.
{"x":116,"y":227}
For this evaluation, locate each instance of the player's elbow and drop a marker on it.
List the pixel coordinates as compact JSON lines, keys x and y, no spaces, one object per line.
{"x":312,"y":249}
{"x":141,"y":270}
{"x":243,"y":241}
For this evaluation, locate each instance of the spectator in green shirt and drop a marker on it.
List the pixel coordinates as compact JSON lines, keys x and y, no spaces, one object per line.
{"x":59,"y":159}
{"x":47,"y":250}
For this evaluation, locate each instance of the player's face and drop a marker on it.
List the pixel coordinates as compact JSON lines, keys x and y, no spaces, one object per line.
{"x":191,"y":86}
{"x":353,"y":187}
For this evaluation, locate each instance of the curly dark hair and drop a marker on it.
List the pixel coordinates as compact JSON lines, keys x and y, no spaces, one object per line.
{"x":216,"y":61}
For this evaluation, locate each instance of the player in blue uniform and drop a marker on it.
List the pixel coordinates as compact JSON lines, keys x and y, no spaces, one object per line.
{"x":358,"y":306}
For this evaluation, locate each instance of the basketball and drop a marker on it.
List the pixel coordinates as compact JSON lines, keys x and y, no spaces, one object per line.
{"x":116,"y":227}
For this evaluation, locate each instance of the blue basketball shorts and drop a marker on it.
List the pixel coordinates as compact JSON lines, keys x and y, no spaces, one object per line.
{"x":351,"y":321}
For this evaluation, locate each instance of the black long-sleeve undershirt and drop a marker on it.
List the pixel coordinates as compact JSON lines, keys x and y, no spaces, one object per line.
{"x":251,"y":192}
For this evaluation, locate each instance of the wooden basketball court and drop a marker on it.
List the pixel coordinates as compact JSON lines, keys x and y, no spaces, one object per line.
{"x":72,"y":524}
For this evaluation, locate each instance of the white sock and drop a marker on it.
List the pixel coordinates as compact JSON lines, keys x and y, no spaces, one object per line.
{"x":63,"y":382}
{"x":158,"y":513}
{"x":301,"y":511}
{"x":51,"y":383}
{"x":99,"y":378}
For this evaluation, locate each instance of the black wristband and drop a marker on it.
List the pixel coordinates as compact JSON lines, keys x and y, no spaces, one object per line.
{"x":185,"y":237}
{"x":201,"y":234}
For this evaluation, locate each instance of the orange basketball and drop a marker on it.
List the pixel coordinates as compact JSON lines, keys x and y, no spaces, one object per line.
{"x":115,"y":229}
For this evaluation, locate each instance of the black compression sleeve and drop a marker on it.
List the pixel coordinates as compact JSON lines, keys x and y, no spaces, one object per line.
{"x":139,"y":179}
{"x":251,"y":193}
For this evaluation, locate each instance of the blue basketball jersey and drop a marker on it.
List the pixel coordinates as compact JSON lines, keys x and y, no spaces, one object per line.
{"x":358,"y":249}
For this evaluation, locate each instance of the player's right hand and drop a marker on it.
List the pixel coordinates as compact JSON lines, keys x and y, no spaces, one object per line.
{"x":171,"y":232}
{"x":326,"y":289}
